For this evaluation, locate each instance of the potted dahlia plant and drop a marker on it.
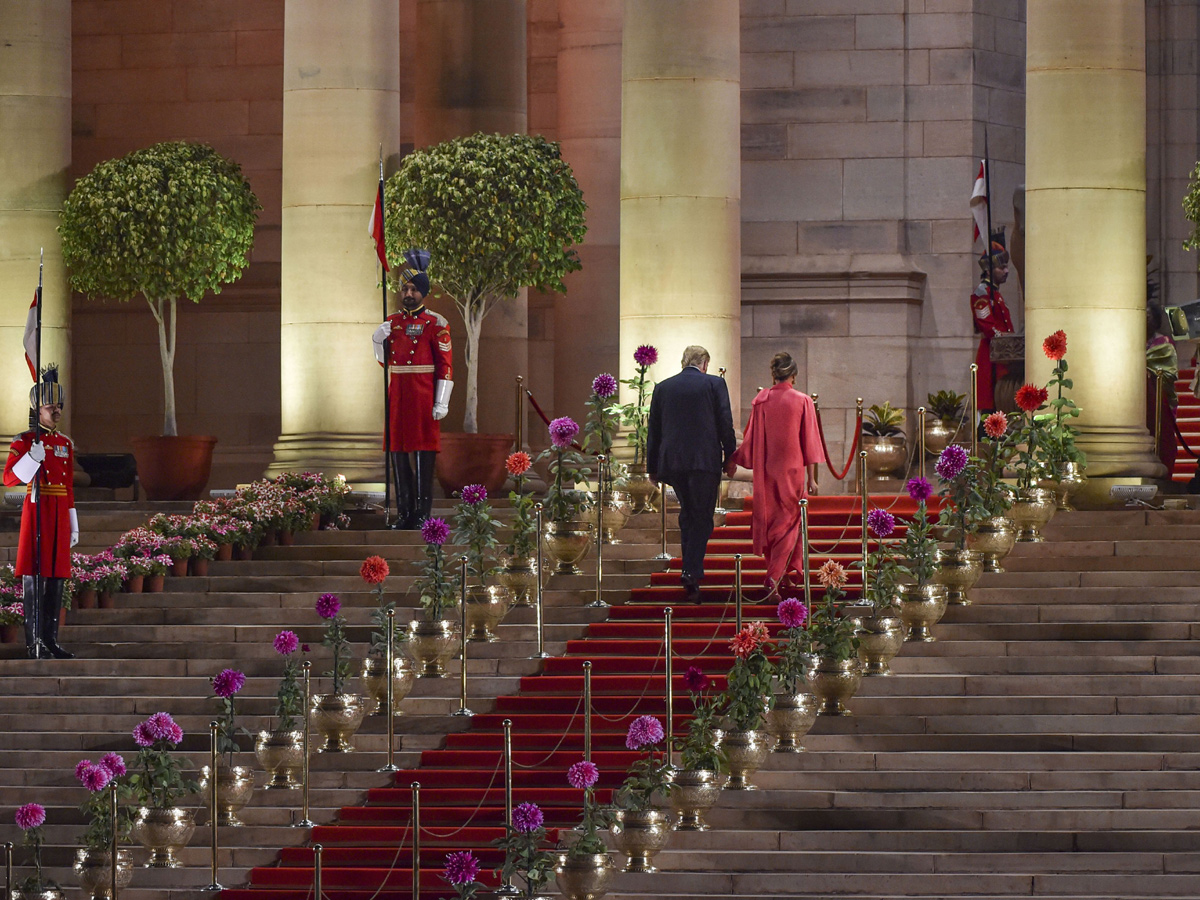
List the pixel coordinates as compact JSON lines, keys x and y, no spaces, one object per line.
{"x":697,"y":783}
{"x":460,"y":872}
{"x":567,"y":538}
{"x":995,"y":534}
{"x":1032,"y":506}
{"x":374,"y":571}
{"x":958,"y":568}
{"x":640,"y":828}
{"x":599,"y":434}
{"x":158,"y":784}
{"x":836,"y":671}
{"x":584,"y":866}
{"x":525,"y":856}
{"x":748,"y":696}
{"x":235,"y":784}
{"x":30,"y":818}
{"x":518,"y":562}
{"x":636,"y":416}
{"x":880,"y":629}
{"x":338,"y":715}
{"x":280,"y":750}
{"x":93,"y":863}
{"x":922,"y":602}
{"x":1064,"y":461}
{"x":475,"y":528}
{"x":432,"y":639}
{"x":794,"y":708}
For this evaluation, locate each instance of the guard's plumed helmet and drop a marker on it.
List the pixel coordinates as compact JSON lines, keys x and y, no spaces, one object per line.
{"x":47,"y":392}
{"x":998,"y":255}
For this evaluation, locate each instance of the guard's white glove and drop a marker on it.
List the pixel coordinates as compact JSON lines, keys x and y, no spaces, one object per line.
{"x":379,"y":337}
{"x":74,"y":526}
{"x":27,"y":466}
{"x":441,"y":398}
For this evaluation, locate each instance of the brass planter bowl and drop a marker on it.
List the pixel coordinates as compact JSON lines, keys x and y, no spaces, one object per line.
{"x":337,"y":718}
{"x":940,"y":434}
{"x":486,"y":607}
{"x":642,"y":491}
{"x":1030,"y":511}
{"x":921,"y":608}
{"x":833,"y":682}
{"x":1069,"y":481}
{"x":879,"y":640}
{"x":430,"y":645}
{"x":994,"y":538}
{"x":374,"y":683}
{"x":745,"y":752}
{"x":958,"y":571}
{"x":790,"y":719}
{"x":519,"y":574}
{"x":567,"y":543}
{"x":640,"y":834}
{"x":234,"y":788}
{"x":49,"y":893}
{"x":695,"y":792}
{"x":94,"y":870}
{"x":585,"y":878}
{"x":618,"y":507}
{"x":164,"y":832}
{"x":886,"y":456}
{"x":281,"y":755}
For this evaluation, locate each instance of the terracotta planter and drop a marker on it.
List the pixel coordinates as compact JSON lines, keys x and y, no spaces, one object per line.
{"x":224,"y":552}
{"x":85,"y":598}
{"x":244,"y":554}
{"x":287,"y":537}
{"x":473,"y":459}
{"x":134,"y":584}
{"x":179,"y":567}
{"x":10,"y":634}
{"x":198,"y":567}
{"x":104,"y":599}
{"x":173,"y":468}
{"x":153,"y":584}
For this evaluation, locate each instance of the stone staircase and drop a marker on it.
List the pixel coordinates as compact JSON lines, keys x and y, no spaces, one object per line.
{"x":1043,"y":746}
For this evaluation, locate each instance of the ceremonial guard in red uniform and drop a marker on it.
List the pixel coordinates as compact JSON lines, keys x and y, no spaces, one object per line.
{"x":415,"y":343}
{"x":44,"y":459}
{"x":991,"y":317}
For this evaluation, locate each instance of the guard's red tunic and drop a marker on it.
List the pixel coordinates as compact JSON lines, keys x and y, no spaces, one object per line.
{"x":991,"y":318}
{"x":418,"y":356}
{"x":55,"y":479}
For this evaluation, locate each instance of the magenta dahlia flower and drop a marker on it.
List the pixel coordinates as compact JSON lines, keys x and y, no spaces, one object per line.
{"x":31,"y":815}
{"x":694,"y":680}
{"x":527,"y":817}
{"x":919,"y":489}
{"x":645,"y":355}
{"x":95,"y":778}
{"x":228,"y":682}
{"x":583,"y":775}
{"x":951,"y":462}
{"x":562,"y":432}
{"x":80,"y":766}
{"x":328,"y":606}
{"x":881,"y":522}
{"x":435,"y":531}
{"x":142,"y":735}
{"x":644,"y":731}
{"x":792,"y":613}
{"x":604,"y":385}
{"x":161,"y":727}
{"x":461,"y":867}
{"x":286,"y":643}
{"x":115,"y":764}
{"x":474,"y":494}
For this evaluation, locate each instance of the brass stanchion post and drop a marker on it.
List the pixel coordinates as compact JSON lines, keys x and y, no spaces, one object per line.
{"x":737,"y":591}
{"x":1158,"y":402}
{"x":213,"y":757}
{"x":462,"y":618}
{"x":416,"y":831}
{"x":860,"y":476}
{"x":112,"y":820}
{"x":921,"y":437}
{"x":974,"y":409}
{"x":305,"y":821}
{"x":587,"y":710}
{"x":804,"y":558}
{"x":539,"y":605}
{"x":599,"y":601}
{"x":663,"y":555}
{"x":317,"y":851}
{"x":507,"y":889}
{"x":864,"y":501}
{"x":391,"y":699}
{"x":670,"y":693}
{"x":8,"y":864}
{"x":518,"y":430}
{"x":817,"y":410}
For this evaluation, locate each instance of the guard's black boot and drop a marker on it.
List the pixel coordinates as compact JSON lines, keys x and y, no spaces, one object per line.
{"x":51,"y":604}
{"x":402,"y":480}
{"x":33,"y":641}
{"x":424,"y":500}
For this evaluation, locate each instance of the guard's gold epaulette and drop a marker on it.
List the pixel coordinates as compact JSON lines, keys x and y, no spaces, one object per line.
{"x":439,"y":318}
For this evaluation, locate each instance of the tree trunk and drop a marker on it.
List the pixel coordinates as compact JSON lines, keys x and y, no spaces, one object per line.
{"x":473,"y":320}
{"x":166,"y":352}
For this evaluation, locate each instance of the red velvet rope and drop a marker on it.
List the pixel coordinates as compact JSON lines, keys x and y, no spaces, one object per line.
{"x":538,"y":409}
{"x":853,"y":446}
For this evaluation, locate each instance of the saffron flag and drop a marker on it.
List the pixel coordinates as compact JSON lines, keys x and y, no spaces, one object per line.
{"x":30,"y":339}
{"x":979,"y":201}
{"x":375,"y":228}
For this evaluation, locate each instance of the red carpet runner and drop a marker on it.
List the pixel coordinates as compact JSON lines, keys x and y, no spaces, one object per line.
{"x":1188,"y":416}
{"x":368,"y":852}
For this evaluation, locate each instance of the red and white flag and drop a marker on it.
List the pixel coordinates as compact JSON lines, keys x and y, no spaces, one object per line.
{"x":30,"y":339}
{"x":979,"y":201}
{"x":375,"y":228}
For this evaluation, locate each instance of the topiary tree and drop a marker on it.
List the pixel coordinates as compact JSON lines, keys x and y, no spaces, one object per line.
{"x":174,"y":220}
{"x":497,"y":212}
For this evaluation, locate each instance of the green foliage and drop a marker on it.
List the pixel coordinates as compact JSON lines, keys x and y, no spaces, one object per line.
{"x":438,"y":586}
{"x":637,"y":413}
{"x":883,"y":576}
{"x":228,"y":730}
{"x":525,"y":858}
{"x":1057,"y":434}
{"x":98,"y":809}
{"x":697,"y":746}
{"x":289,"y":699}
{"x":833,"y":635}
{"x":995,"y":496}
{"x":567,"y":468}
{"x":523,"y":542}
{"x":883,"y":421}
{"x":337,"y":641}
{"x":1191,"y":209}
{"x":156,"y":777}
{"x":379,"y":630}
{"x":969,"y":504}
{"x":592,"y":819}
{"x":475,"y":527}
{"x":748,"y":693}
{"x":600,"y":431}
{"x":946,"y":405}
{"x":792,"y":656}
{"x":34,"y":838}
{"x":918,"y":547}
{"x":175,"y":220}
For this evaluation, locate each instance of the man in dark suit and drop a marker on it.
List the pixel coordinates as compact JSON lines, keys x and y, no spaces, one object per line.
{"x":690,"y":438}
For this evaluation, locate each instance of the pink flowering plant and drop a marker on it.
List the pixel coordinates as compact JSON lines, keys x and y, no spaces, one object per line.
{"x":475,"y":528}
{"x":603,"y":421}
{"x":226,"y":685}
{"x":157,"y":778}
{"x":30,"y":818}
{"x":791,"y":645}
{"x":568,"y":467}
{"x":523,"y":542}
{"x":583,"y":776}
{"x":649,"y":775}
{"x":748,"y":693}
{"x":289,"y":698}
{"x":375,"y":571}
{"x":98,"y":778}
{"x":525,"y":854}
{"x":832,"y":633}
{"x":919,"y":545}
{"x":697,"y":745}
{"x":998,"y":433}
{"x":438,"y":583}
{"x":329,"y":608}
{"x":962,"y":486}
{"x":636,"y":413}
{"x":882,"y":566}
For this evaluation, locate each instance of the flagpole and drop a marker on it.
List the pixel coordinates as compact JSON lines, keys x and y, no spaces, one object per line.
{"x":38,"y":587}
{"x":987,"y":238}
{"x":387,"y":347}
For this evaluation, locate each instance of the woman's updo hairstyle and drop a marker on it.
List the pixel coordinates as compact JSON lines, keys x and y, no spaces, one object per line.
{"x":783,"y":367}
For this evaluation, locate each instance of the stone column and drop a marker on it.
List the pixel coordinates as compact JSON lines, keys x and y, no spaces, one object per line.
{"x":1086,"y":234}
{"x":681,"y":183}
{"x":341,"y":101}
{"x":470,"y":63}
{"x":589,"y":130}
{"x":35,"y":155}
